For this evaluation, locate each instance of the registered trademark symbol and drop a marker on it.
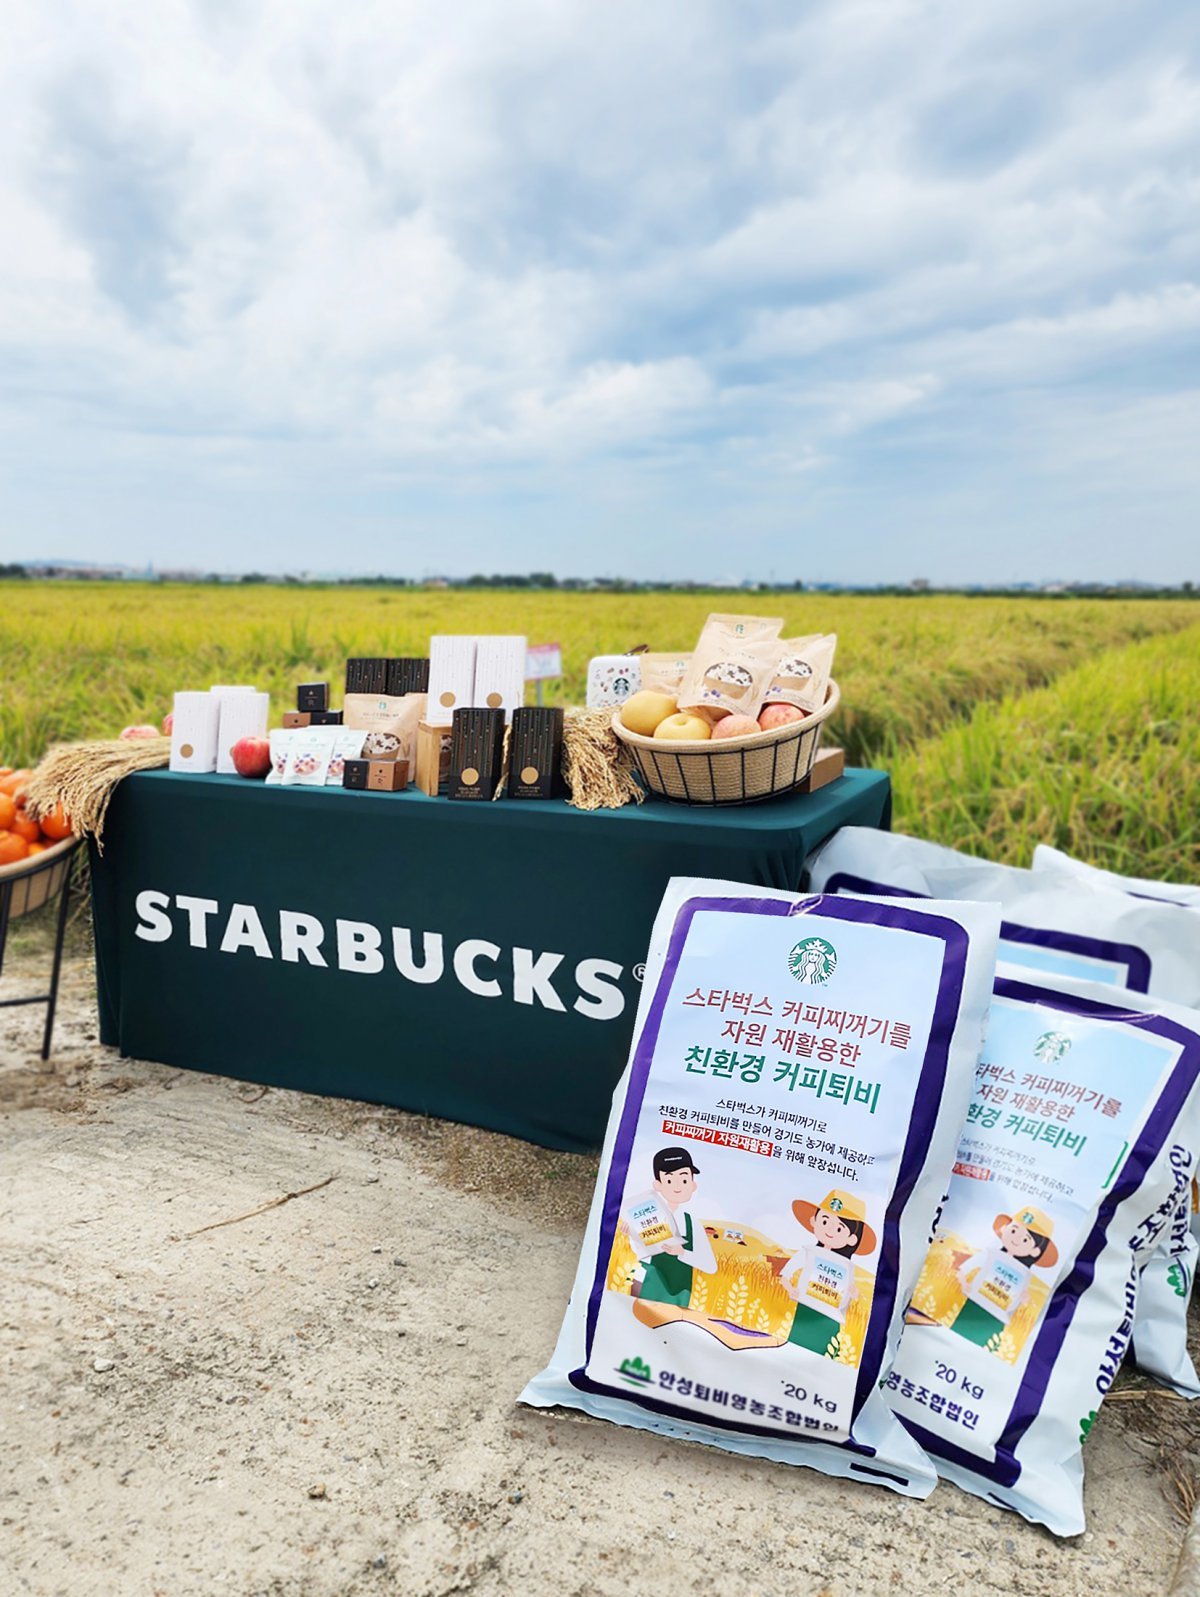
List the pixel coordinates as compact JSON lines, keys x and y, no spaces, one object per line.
{"x":639,"y":973}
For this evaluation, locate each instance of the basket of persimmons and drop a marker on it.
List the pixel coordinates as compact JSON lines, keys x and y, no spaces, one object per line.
{"x":34,"y":854}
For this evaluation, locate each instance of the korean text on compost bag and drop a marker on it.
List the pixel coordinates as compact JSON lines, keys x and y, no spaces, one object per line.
{"x":778,"y":1146}
{"x":1066,"y":1176}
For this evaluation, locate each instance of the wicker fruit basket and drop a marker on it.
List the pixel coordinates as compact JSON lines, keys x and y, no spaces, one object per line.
{"x":34,"y":882}
{"x":741,"y":770}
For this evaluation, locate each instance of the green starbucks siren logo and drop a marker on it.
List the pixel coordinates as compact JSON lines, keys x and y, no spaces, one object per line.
{"x":1051,"y":1046}
{"x":813,"y":961}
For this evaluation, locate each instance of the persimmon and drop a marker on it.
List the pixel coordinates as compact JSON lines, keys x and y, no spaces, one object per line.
{"x":25,"y":826}
{"x":8,"y":812}
{"x":12,"y":848}
{"x":37,"y":848}
{"x":14,"y":781}
{"x":56,"y":824}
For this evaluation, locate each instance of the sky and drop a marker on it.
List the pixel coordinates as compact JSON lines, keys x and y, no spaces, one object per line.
{"x":859,"y":291}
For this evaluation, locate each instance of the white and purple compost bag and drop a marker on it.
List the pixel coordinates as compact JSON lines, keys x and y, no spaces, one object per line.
{"x":1061,"y":924}
{"x":1171,"y":1274}
{"x":777,"y":1150}
{"x":1067,"y":1173}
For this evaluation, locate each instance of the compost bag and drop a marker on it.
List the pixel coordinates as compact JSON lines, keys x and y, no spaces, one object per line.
{"x":1066,"y":1176}
{"x":777,"y":1149}
{"x":1066,"y":924}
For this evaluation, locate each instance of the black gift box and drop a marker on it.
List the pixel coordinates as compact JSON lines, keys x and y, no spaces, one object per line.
{"x":407,"y":675}
{"x":366,"y":675}
{"x":355,"y":773}
{"x":325,"y":718}
{"x":312,"y":697}
{"x":535,"y":751}
{"x":476,"y":753}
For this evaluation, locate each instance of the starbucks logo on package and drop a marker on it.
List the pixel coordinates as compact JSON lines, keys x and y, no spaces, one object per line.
{"x":813,"y":961}
{"x":1051,"y":1046}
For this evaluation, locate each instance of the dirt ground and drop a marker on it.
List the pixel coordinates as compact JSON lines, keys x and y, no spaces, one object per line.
{"x":319,"y":1401}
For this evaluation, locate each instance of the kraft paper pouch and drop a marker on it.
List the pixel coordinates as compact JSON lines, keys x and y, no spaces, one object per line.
{"x":802,"y":674}
{"x":280,"y":740}
{"x":732,"y":665}
{"x":1066,"y":925}
{"x":664,"y":673}
{"x":347,"y":745}
{"x":308,"y":756}
{"x":1066,"y":1175}
{"x":777,"y":1150}
{"x":385,"y":716}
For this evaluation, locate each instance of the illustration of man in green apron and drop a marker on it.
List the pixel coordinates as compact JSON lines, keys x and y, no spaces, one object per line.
{"x":820,"y":1277}
{"x":666,"y":1236}
{"x":996,"y":1280}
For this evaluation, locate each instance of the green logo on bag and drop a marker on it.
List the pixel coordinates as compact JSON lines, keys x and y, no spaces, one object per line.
{"x":1051,"y":1046}
{"x":1177,"y":1279}
{"x":635,"y":1370}
{"x":813,"y":961}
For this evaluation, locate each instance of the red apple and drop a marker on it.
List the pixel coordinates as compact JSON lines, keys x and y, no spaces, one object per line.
{"x":143,"y":731}
{"x":735,"y":726}
{"x":777,"y":715}
{"x":251,"y":756}
{"x":168,"y":723}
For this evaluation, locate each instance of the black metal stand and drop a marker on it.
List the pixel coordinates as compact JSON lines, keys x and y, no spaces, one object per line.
{"x":50,"y":999}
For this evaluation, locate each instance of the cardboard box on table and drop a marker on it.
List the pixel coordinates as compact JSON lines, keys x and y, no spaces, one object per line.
{"x":194,"y":732}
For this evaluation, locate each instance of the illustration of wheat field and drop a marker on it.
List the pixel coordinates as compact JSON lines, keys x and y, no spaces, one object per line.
{"x":938,"y":1296}
{"x":744,"y":1290}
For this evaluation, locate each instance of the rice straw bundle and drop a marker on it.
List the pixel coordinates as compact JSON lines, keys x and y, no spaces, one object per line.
{"x":82,"y":776}
{"x":596,"y":765}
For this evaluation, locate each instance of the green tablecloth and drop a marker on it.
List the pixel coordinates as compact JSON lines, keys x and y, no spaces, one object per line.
{"x":475,"y":961}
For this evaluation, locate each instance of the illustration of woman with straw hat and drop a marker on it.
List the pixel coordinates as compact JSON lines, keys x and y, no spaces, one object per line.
{"x":820,"y":1275}
{"x":996,"y":1281}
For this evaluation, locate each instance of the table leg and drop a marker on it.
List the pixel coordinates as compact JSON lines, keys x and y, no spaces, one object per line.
{"x":6,"y":892}
{"x":59,"y":937}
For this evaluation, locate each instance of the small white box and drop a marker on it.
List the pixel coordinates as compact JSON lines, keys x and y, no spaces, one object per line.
{"x":500,"y":674}
{"x":243,"y":713}
{"x":194,"y":732}
{"x":451,"y":678}
{"x":612,"y":678}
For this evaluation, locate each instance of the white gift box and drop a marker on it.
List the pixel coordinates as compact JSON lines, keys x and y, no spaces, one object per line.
{"x":451,"y":677}
{"x":612,"y":678}
{"x":242,"y":713}
{"x":194,"y":732}
{"x":500,"y":674}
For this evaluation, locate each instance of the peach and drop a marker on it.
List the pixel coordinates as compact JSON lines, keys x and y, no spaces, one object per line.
{"x":736,"y":726}
{"x":777,"y":715}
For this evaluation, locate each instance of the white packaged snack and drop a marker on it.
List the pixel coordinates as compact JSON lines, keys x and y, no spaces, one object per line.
{"x":611,"y":679}
{"x":776,"y":1152}
{"x":1066,"y":1175}
{"x":1066,"y":925}
{"x":280,"y":740}
{"x":1046,"y":858}
{"x":347,"y":745}
{"x":309,"y":754}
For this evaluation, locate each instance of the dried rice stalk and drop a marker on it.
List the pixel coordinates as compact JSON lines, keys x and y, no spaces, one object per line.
{"x":82,"y":776}
{"x":596,"y":765}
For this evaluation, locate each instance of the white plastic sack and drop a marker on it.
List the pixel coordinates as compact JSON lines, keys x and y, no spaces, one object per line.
{"x":777,"y":1149}
{"x":1065,"y":1178}
{"x":1046,"y":858}
{"x":1071,"y":926}
{"x":1160,"y":1344}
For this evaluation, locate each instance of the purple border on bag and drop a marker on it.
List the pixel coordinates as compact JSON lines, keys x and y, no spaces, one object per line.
{"x":1135,"y":960}
{"x":1066,"y":1295}
{"x":926,"y":1100}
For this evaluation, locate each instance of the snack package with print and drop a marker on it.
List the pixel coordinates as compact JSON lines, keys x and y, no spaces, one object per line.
{"x":776,"y":1152}
{"x":1077,"y":927}
{"x":1072,"y":1159}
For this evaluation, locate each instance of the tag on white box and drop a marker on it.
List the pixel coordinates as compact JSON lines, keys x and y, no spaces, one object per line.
{"x":500,"y":674}
{"x":194,"y":732}
{"x":242,"y":713}
{"x":451,"y":677}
